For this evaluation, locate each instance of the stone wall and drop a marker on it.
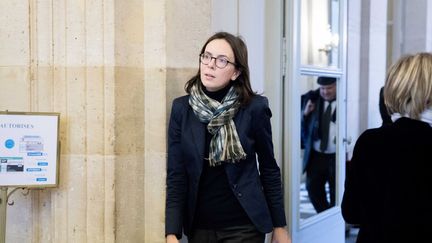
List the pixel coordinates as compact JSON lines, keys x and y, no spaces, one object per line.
{"x":111,"y":68}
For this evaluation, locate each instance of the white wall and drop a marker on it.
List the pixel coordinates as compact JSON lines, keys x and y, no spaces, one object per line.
{"x":412,"y":30}
{"x":367,"y":28}
{"x":245,"y":18}
{"x":353,"y":70}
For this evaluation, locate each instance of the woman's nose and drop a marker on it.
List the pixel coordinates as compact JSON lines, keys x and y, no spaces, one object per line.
{"x":212,"y":63}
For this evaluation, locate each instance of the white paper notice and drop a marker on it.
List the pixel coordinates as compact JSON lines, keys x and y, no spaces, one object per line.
{"x":28,"y":149}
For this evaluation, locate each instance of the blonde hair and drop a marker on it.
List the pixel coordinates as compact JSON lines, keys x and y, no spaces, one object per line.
{"x":408,"y":86}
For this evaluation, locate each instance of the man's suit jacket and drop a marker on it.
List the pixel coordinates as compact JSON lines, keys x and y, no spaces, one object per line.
{"x":310,"y":124}
{"x":258,"y":189}
{"x":388,"y":188}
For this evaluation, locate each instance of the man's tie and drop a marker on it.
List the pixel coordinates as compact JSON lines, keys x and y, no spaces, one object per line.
{"x":325,"y":126}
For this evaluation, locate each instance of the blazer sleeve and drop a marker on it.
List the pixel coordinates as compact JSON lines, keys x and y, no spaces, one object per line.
{"x":176,"y":182}
{"x":269,"y":170}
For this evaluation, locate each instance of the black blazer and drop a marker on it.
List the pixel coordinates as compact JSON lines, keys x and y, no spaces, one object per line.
{"x":258,"y":189}
{"x":388,"y":190}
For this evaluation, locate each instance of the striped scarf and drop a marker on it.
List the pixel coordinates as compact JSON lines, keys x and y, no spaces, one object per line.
{"x":225,"y":144}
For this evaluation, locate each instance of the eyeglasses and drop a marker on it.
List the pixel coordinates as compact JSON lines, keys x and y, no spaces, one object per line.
{"x":220,"y":61}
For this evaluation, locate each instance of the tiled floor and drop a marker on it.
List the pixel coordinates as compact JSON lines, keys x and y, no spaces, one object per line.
{"x":307,"y":210}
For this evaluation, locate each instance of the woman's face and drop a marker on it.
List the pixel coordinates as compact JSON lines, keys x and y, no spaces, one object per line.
{"x":213,"y":77}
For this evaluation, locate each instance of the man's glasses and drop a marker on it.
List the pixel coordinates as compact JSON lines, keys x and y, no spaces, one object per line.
{"x":220,"y":62}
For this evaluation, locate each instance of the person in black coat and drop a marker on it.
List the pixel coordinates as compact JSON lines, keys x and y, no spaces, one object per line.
{"x":216,"y":190}
{"x":388,"y":191}
{"x":318,"y":139}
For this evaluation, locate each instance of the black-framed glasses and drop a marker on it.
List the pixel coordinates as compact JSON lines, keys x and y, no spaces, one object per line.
{"x":220,"y":61}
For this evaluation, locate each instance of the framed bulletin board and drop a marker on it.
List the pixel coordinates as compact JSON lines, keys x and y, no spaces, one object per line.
{"x":29,"y":149}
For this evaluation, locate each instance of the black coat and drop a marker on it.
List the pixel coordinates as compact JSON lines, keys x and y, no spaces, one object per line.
{"x":388,"y":190}
{"x":259,"y":190}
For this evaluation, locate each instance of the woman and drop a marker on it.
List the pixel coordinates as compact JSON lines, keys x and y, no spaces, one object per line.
{"x":387,"y":189}
{"x":215,"y":192}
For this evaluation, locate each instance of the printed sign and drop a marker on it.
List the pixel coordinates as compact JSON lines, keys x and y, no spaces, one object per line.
{"x":29,"y":149}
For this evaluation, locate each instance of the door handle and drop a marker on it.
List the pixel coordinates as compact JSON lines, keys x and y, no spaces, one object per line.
{"x":347,"y":140}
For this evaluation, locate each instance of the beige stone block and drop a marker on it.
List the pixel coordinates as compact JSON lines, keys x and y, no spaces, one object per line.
{"x":129,"y":109}
{"x":59,"y":33}
{"x":95,"y":103}
{"x":95,"y":198}
{"x":109,"y":32}
{"x":76,"y":115}
{"x":94,"y":29}
{"x":60,"y":105}
{"x":129,"y":33}
{"x":75,"y":33}
{"x":155,"y":174}
{"x":110,"y":199}
{"x":76,"y":198}
{"x":43,"y":215}
{"x":154,"y":36}
{"x":41,"y":38}
{"x":14,"y":34}
{"x":15,"y":88}
{"x":60,"y":202}
{"x":42,"y":89}
{"x":109,"y":110}
{"x":176,"y":80}
{"x":155,"y":110}
{"x":18,"y":228}
{"x":188,"y":27}
{"x":130,"y":194}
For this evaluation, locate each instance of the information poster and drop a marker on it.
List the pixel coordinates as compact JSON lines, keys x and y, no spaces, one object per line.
{"x":29,"y":149}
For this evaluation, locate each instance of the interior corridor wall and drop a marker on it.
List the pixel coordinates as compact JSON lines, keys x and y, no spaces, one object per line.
{"x":366,"y":65}
{"x":110,"y":68}
{"x":412,"y":27}
{"x":58,"y":56}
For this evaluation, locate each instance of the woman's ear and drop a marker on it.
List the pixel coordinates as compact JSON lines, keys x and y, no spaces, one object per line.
{"x":235,"y":75}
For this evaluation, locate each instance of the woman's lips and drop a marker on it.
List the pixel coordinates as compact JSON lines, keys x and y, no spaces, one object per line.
{"x":209,"y":76}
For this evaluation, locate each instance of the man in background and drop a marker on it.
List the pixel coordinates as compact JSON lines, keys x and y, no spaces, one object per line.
{"x":318,"y":139}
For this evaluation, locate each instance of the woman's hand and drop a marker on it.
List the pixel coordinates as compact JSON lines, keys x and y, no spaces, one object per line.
{"x":171,"y":238}
{"x":280,"y":235}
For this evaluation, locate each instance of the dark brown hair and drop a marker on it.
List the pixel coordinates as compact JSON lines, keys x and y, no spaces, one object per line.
{"x":242,"y":83}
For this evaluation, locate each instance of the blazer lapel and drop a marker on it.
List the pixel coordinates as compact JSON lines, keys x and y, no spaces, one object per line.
{"x":238,"y":120}
{"x":198,"y":136}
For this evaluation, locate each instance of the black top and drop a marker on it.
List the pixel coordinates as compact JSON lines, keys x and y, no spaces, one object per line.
{"x":217,"y":207}
{"x":387,"y":187}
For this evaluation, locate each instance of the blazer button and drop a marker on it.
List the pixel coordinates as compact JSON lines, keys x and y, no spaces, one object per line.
{"x":239,"y":194}
{"x":234,"y":186}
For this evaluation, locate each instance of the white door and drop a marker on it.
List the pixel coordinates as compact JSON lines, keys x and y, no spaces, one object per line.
{"x":299,"y":40}
{"x":315,"y":46}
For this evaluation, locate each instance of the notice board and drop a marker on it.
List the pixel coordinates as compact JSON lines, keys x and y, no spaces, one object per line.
{"x":29,"y":149}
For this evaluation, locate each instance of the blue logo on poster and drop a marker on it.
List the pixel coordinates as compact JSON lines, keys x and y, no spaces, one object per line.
{"x":9,"y":143}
